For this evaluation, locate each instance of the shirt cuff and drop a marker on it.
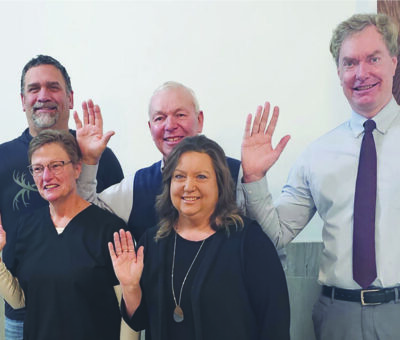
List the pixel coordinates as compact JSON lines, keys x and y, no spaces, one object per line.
{"x":90,"y":171}
{"x":254,"y":191}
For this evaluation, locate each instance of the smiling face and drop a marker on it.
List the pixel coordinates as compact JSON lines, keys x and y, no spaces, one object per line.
{"x":172,"y":117}
{"x":194,"y":188}
{"x":45,"y":99}
{"x":60,"y":187}
{"x":366,"y":71}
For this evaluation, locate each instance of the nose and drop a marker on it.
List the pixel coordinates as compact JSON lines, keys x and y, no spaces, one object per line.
{"x":362,"y":71}
{"x":47,"y":174}
{"x":43,"y":94}
{"x":170,"y":123}
{"x":189,"y":184}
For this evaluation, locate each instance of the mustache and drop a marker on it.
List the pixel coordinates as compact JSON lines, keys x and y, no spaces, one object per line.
{"x":45,"y":105}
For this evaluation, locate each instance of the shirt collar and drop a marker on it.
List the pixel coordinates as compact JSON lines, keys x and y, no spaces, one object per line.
{"x":383,"y":119}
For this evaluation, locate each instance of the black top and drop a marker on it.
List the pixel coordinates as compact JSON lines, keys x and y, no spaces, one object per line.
{"x":184,"y":256}
{"x":238,"y":292}
{"x":19,"y":195}
{"x":68,"y":278}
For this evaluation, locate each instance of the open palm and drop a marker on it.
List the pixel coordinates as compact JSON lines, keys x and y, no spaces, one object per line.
{"x":258,"y":154}
{"x":89,"y":133}
{"x":128,"y":265}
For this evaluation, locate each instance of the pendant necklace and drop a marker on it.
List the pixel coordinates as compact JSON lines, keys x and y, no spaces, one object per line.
{"x":178,"y":312}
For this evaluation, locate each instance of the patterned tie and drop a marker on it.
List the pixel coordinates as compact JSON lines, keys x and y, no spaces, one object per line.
{"x":364,"y":263}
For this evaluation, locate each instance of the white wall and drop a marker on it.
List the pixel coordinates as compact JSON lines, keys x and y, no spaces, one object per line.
{"x":235,"y":55}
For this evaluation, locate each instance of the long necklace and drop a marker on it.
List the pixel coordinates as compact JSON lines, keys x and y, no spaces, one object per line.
{"x":178,"y":312}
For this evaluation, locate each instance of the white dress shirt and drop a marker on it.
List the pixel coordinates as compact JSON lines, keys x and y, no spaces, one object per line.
{"x":323,"y":180}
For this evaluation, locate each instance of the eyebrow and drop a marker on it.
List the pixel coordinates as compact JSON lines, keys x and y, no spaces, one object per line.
{"x":160,"y":112}
{"x":368,"y":56}
{"x":48,"y":84}
{"x":157,"y":113}
{"x":197,"y":172}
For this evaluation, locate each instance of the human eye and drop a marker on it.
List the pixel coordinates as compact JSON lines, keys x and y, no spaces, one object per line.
{"x":158,"y":118}
{"x":56,"y":165}
{"x":54,"y":87}
{"x":181,"y":114}
{"x":178,"y":176}
{"x":348,"y":63}
{"x":374,"y":59}
{"x":37,"y":169}
{"x":33,"y":89}
{"x":202,"y":176}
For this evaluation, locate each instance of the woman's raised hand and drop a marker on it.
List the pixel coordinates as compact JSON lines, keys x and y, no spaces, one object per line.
{"x":128,"y":265}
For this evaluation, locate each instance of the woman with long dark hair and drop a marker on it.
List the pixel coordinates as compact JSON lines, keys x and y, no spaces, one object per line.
{"x":205,"y":272}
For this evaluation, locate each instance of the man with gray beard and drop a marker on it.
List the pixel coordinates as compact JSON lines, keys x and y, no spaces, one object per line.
{"x":47,"y":98}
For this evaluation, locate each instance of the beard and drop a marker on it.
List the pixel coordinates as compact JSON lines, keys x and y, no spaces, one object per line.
{"x":45,"y":120}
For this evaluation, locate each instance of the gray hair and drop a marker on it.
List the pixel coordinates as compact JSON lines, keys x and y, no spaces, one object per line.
{"x":383,"y":23}
{"x":175,"y":85}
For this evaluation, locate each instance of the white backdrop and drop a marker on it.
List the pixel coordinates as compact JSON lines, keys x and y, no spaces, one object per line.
{"x":234,"y":54}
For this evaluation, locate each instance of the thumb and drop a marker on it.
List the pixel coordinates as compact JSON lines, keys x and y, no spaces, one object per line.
{"x":107,"y":136}
{"x":78,"y":122}
{"x":282,"y":144}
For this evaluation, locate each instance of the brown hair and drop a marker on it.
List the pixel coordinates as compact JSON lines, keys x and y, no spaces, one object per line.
{"x":226,"y":212}
{"x":383,"y":23}
{"x":61,"y":137}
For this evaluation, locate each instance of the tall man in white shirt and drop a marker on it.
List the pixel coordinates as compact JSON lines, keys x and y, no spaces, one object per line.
{"x":324,"y":179}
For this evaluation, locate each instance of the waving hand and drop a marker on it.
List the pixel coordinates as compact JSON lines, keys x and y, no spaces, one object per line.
{"x":89,"y":134}
{"x":128,"y":267}
{"x":258,"y":154}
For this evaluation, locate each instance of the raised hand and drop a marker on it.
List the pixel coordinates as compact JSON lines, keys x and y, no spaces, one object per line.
{"x":258,"y":154}
{"x":128,"y":265}
{"x":89,"y":135}
{"x":2,"y":238}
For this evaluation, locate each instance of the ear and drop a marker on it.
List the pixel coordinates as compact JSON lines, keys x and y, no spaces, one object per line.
{"x":78,"y":170}
{"x":71,"y":100}
{"x":339,"y":73}
{"x":200,"y":120}
{"x":23,"y":102}
{"x":394,"y":61}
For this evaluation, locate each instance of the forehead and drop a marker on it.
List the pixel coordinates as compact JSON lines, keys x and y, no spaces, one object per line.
{"x":171,"y":100}
{"x":50,"y":151}
{"x":195,"y":161}
{"x":42,"y":74}
{"x":363,"y":43}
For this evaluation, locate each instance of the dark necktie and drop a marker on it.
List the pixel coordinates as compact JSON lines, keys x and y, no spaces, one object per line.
{"x":364,"y":263}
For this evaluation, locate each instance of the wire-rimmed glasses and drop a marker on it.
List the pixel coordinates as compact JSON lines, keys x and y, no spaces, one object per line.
{"x":55,"y":167}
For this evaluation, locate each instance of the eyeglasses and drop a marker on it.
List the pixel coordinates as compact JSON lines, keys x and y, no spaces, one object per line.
{"x":55,"y":167}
